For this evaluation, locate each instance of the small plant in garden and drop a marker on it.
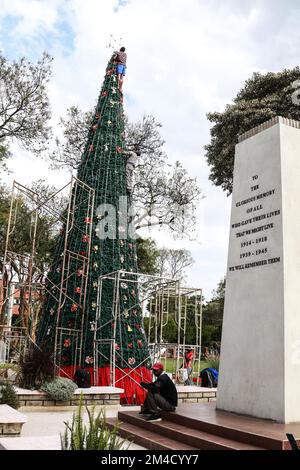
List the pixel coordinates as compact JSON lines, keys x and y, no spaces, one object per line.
{"x":8,"y":396}
{"x":213,"y":361}
{"x":59,"y":389}
{"x":36,"y":367}
{"x":96,"y":435}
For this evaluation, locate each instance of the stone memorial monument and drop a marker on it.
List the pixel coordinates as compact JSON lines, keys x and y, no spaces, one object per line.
{"x":260,"y":352}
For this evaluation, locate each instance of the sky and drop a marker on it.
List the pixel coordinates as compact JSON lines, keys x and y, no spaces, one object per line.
{"x":185,"y":58}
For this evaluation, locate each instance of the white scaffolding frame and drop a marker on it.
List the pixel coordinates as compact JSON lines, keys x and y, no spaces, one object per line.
{"x":154,"y":298}
{"x":33,"y":272}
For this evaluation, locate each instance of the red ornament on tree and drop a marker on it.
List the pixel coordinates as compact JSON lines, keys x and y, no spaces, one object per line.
{"x":119,"y":149}
{"x":88,"y":220}
{"x":91,"y":148}
{"x":104,"y":93}
{"x":85,"y":238}
{"x":67,"y":343}
{"x":74,"y":307}
{"x":82,"y":253}
{"x":80,"y":272}
{"x":140,"y":344}
{"x":77,"y":290}
{"x":130,"y":345}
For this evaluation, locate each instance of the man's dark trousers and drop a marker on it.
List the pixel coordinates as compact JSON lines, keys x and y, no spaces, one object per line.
{"x":154,"y":403}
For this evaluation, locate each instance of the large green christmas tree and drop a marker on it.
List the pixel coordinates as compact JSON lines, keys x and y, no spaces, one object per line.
{"x":88,"y":247}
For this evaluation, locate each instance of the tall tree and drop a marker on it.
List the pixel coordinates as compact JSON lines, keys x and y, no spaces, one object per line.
{"x":172,"y":263}
{"x":24,"y":104}
{"x":147,"y":256}
{"x":262,"y":97}
{"x":164,"y":194}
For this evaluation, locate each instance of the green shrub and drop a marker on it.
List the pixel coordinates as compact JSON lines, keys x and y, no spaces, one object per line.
{"x":60,"y":389}
{"x":94,"y":436}
{"x":8,"y":396}
{"x":36,"y":367}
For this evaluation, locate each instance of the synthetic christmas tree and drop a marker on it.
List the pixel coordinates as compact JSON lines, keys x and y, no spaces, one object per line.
{"x":85,"y":253}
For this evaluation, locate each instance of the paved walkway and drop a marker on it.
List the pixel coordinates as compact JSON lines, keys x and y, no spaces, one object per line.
{"x":49,"y":422}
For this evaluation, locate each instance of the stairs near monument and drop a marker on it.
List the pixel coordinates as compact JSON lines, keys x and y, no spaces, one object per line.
{"x":170,"y":435}
{"x":202,"y":427}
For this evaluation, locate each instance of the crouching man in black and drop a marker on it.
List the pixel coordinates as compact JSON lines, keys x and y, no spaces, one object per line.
{"x":162,"y":394}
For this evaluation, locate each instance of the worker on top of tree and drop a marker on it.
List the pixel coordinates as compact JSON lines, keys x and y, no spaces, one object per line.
{"x":120,"y":57}
{"x":132,"y":157}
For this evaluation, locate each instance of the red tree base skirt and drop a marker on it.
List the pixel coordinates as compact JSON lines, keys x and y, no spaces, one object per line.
{"x":133,"y":392}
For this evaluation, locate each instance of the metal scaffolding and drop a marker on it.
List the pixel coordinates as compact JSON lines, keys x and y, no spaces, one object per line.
{"x":161,"y":300}
{"x":22,"y":270}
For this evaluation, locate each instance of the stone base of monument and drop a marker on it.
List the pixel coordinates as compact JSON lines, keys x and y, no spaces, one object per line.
{"x":201,"y":427}
{"x":11,"y":421}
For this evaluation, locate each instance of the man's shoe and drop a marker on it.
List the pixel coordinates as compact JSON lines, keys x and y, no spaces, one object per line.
{"x":143,"y":412}
{"x":154,"y":418}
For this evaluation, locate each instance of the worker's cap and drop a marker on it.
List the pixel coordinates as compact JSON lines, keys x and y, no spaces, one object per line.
{"x":158,"y":366}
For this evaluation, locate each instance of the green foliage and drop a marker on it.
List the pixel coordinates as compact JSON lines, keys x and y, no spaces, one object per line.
{"x":95,"y":436}
{"x":8,"y":396}
{"x":262,"y":97}
{"x":59,"y":389}
{"x":36,"y":367}
{"x":210,"y":333}
{"x":4,"y":154}
{"x":147,"y":254}
{"x":213,"y":317}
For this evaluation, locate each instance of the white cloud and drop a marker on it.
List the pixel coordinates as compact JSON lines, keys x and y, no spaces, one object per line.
{"x":185,"y":58}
